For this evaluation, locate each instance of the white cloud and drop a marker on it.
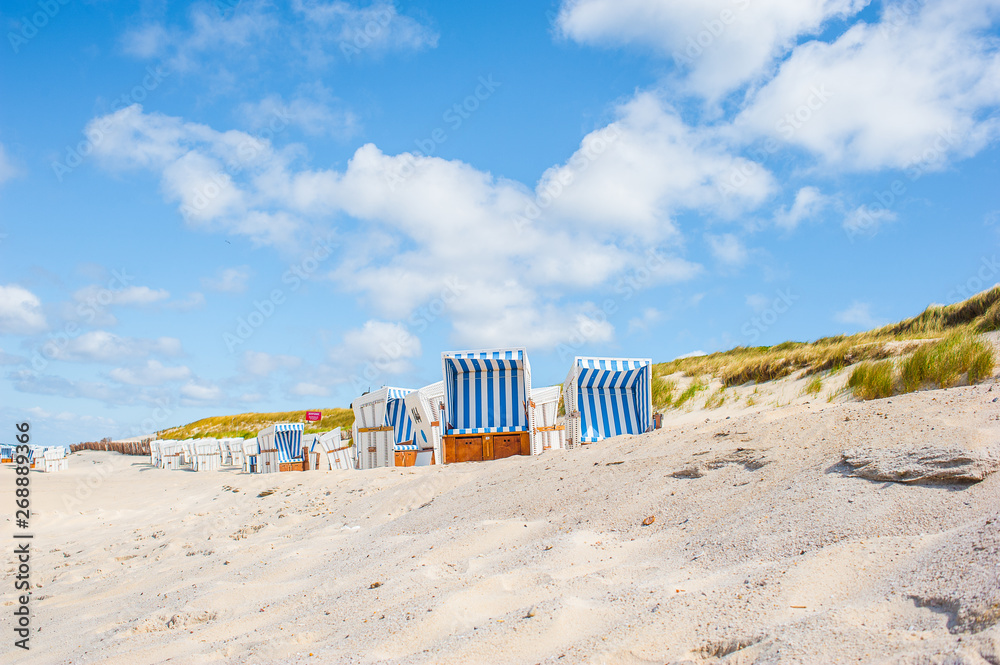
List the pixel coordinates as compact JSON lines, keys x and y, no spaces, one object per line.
{"x":909,"y":92}
{"x":199,"y":392}
{"x":355,"y":31}
{"x":259,"y":363}
{"x":859,"y":314}
{"x":728,"y":249}
{"x":228,"y":280}
{"x":305,"y":389}
{"x":138,"y":296}
{"x":7,"y":168}
{"x":20,"y":311}
{"x":321,"y":32}
{"x":638,"y":172}
{"x":153,"y":373}
{"x":718,"y":44}
{"x":809,"y":202}
{"x":413,"y":208}
{"x":388,"y":346}
{"x":866,"y":220}
{"x":693,"y":354}
{"x":105,"y":347}
{"x":194,"y":300}
{"x":314,"y":117}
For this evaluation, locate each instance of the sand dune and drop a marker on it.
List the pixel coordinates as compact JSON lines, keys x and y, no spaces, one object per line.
{"x":764,"y":549}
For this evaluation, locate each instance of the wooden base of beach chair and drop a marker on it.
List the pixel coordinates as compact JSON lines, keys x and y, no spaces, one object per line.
{"x":409,"y":457}
{"x":484,"y":447}
{"x":292,"y":466}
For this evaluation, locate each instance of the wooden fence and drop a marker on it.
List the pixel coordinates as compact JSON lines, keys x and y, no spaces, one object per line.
{"x":125,"y":448}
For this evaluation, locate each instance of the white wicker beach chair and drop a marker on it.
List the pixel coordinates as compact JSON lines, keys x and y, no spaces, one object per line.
{"x":251,"y":449}
{"x":207,"y":455}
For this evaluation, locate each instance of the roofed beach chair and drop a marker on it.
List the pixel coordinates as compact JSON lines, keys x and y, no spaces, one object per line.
{"x":607,"y":397}
{"x":487,"y":412}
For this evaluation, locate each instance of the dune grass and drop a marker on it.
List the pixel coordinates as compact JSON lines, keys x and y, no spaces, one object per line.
{"x":814,"y":386}
{"x":716,"y":399}
{"x":961,"y":353}
{"x":696,"y":387}
{"x":663,"y":391}
{"x":980,"y":313}
{"x":248,"y":424}
{"x":872,"y":380}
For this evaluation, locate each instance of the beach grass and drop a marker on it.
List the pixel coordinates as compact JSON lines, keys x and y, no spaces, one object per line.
{"x":247,"y":425}
{"x":978,"y":314}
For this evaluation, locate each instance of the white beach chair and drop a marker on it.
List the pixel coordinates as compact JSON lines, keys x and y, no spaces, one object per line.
{"x":251,"y":451}
{"x":235,"y":448}
{"x":207,"y":455}
{"x":335,"y":451}
{"x":154,"y":452}
{"x":54,"y":459}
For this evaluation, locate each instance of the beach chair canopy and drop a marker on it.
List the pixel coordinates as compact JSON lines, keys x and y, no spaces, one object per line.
{"x":422,"y":407}
{"x":386,"y":407}
{"x":286,"y":438}
{"x":610,"y":395}
{"x":486,"y":391}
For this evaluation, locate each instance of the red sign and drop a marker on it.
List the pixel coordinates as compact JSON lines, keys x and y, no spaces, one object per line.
{"x":314,"y":415}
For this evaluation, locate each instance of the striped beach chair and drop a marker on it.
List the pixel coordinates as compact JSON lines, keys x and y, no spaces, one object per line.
{"x":607,"y":397}
{"x":424,"y":407}
{"x":487,"y":397}
{"x":382,"y":427}
{"x":280,"y":448}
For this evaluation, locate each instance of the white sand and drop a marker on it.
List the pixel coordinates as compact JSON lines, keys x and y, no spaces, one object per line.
{"x":794,"y":561}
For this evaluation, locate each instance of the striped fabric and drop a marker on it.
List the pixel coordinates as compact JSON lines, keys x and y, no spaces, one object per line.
{"x":612,"y":396}
{"x":397,"y":417}
{"x":288,"y":441}
{"x":406,"y":447}
{"x":486,"y":391}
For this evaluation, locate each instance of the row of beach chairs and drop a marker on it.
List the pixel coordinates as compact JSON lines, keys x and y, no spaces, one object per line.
{"x":324,"y":452}
{"x":43,"y":458}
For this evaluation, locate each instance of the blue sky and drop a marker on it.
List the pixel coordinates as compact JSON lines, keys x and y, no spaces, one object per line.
{"x":226,"y":206}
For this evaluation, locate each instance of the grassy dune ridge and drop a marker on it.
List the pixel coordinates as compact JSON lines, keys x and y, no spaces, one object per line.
{"x":248,"y":424}
{"x":935,"y":348}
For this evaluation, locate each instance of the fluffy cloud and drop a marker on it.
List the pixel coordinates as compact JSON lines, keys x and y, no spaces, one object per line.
{"x":728,"y":249}
{"x":718,"y":44}
{"x":153,"y":373}
{"x":195,"y":392}
{"x":314,"y":117}
{"x":20,"y":311}
{"x":809,"y":202}
{"x":388,"y":346}
{"x":614,"y":205}
{"x":918,"y":87}
{"x":228,"y":280}
{"x":319,"y":33}
{"x":137,"y":296}
{"x":105,"y":347}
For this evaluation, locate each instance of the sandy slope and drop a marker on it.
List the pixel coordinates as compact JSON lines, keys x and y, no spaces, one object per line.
{"x":770,"y":554}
